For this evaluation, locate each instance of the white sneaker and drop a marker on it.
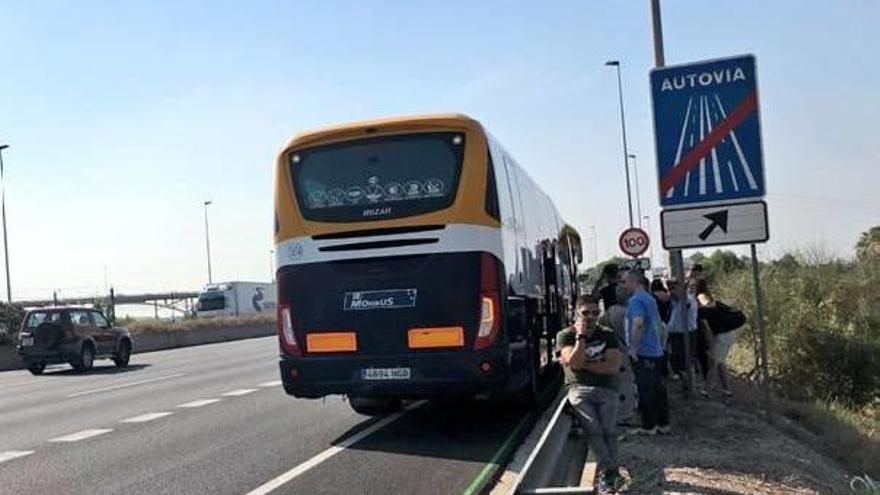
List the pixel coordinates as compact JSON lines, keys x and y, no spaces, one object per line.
{"x":664,"y":430}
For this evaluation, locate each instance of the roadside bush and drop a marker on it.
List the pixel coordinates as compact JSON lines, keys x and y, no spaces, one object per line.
{"x":10,"y":321}
{"x":822,"y":317}
{"x":154,"y":326}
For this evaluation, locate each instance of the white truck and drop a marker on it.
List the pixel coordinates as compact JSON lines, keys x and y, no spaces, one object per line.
{"x":236,"y":299}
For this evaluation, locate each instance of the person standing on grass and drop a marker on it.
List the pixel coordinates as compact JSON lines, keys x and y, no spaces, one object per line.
{"x":719,"y":336}
{"x":591,"y":358}
{"x":615,"y":319}
{"x":646,"y":354}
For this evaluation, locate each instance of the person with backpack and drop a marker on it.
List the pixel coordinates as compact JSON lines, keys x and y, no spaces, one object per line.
{"x":721,"y":322}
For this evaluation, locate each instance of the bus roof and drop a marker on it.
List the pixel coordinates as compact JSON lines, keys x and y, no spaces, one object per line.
{"x":360,"y":127}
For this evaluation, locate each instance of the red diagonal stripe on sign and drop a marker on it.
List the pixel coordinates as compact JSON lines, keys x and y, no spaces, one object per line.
{"x":692,"y":158}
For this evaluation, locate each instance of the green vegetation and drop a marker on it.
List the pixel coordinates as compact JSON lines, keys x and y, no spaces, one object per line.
{"x":139,"y":327}
{"x":822,"y":317}
{"x":10,"y":321}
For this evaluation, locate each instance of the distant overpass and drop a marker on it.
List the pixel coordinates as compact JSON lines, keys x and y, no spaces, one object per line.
{"x":183,"y":301}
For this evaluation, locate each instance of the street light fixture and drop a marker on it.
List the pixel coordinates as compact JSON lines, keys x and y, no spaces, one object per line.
{"x":638,"y":193}
{"x":616,"y":63}
{"x":5,"y":243}
{"x":208,"y":240}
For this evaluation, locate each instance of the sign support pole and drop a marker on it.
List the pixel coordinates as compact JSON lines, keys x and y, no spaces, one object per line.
{"x":676,"y":260}
{"x":759,"y":314}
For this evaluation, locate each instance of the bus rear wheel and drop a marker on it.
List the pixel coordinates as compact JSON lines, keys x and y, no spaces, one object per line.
{"x":530,"y":393}
{"x":373,"y":406}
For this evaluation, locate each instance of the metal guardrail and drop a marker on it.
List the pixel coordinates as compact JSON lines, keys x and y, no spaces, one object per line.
{"x":556,"y":464}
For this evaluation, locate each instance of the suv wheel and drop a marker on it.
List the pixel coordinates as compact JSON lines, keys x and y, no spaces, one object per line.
{"x":123,"y":354}
{"x":36,"y":368}
{"x":85,"y":359}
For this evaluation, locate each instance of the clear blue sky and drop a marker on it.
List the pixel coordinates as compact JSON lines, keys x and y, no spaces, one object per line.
{"x":124,"y":116}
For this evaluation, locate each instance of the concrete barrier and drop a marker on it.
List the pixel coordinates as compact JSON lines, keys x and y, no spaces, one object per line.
{"x":157,"y":341}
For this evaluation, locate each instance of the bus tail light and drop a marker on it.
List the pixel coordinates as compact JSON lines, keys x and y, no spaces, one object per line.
{"x":490,"y":304}
{"x":285,"y":331}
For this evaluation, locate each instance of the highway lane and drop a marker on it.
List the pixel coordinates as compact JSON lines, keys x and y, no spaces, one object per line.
{"x":127,"y":431}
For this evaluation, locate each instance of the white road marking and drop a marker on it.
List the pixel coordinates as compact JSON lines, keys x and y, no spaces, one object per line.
{"x":297,"y":471}
{"x":732,"y":176}
{"x":702,"y":137}
{"x":719,"y":188}
{"x":241,"y":391}
{"x":81,"y":435}
{"x":681,"y":140}
{"x":125,"y":385}
{"x":199,"y":403}
{"x":14,"y":454}
{"x":742,"y":159}
{"x":143,"y":418}
{"x":276,"y":383}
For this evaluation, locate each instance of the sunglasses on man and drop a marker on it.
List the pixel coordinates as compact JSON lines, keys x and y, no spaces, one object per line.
{"x":585,"y":312}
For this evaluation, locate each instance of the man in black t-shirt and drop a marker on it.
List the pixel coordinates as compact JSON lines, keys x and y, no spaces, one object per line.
{"x":591,"y":361}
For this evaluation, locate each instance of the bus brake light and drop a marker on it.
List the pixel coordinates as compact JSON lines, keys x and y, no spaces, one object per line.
{"x":490,"y":305}
{"x":285,"y":324}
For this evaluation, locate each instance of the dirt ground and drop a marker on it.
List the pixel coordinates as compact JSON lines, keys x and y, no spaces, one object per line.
{"x":718,"y":449}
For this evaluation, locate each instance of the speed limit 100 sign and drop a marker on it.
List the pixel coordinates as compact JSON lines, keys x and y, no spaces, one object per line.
{"x":634,"y":242}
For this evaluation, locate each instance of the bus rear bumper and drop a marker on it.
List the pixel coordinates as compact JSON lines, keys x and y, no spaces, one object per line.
{"x":431,"y":375}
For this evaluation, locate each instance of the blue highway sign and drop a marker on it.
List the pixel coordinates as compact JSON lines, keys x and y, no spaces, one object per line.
{"x":707,"y":132}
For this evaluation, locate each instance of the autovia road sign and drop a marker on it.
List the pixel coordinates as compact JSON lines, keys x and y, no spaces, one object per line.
{"x":707,"y":132}
{"x":703,"y":226}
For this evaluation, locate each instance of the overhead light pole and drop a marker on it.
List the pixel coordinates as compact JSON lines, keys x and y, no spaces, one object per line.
{"x":208,"y":241}
{"x":5,"y":242}
{"x":616,"y":64}
{"x":638,"y":192}
{"x":647,"y":219}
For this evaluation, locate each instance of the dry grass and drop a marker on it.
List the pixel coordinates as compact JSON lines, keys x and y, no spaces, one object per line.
{"x":850,"y":434}
{"x":721,"y":448}
{"x":157,"y":326}
{"x":851,"y":437}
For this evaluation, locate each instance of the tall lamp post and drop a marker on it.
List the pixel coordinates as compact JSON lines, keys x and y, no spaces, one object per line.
{"x":208,"y":241}
{"x":647,"y":219}
{"x":5,"y":242}
{"x":616,"y":63}
{"x":638,"y":192}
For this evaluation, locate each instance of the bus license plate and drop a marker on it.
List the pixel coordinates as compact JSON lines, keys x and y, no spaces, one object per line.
{"x":386,"y":373}
{"x":27,"y":342}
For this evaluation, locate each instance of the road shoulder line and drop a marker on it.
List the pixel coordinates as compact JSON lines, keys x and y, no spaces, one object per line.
{"x":302,"y":468}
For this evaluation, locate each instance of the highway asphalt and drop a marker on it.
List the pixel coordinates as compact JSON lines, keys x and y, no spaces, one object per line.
{"x":214,"y":419}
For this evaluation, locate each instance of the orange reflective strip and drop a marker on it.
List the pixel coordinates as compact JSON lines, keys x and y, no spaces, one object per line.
{"x":422,"y":338}
{"x":331,"y":342}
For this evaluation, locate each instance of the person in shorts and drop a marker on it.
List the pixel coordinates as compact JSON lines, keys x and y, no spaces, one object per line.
{"x":591,"y":359}
{"x":720,"y":338}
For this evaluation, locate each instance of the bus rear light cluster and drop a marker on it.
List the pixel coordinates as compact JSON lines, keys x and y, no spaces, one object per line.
{"x":285,"y":331}
{"x":490,"y":305}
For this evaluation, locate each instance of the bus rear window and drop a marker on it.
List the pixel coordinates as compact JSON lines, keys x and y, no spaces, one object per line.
{"x":378,"y":178}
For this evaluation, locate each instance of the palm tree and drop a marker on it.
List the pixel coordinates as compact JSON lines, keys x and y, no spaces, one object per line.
{"x":868,"y":247}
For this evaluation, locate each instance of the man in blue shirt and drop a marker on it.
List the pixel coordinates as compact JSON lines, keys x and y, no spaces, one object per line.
{"x":646,"y":353}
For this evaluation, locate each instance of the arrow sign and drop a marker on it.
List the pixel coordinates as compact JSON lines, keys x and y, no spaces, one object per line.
{"x":719,"y":219}
{"x":742,"y":223}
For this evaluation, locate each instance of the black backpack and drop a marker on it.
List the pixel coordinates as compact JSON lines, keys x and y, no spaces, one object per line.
{"x":729,"y":318}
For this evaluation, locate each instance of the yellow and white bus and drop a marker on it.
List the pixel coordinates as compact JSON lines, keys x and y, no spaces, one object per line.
{"x":415,"y":258}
